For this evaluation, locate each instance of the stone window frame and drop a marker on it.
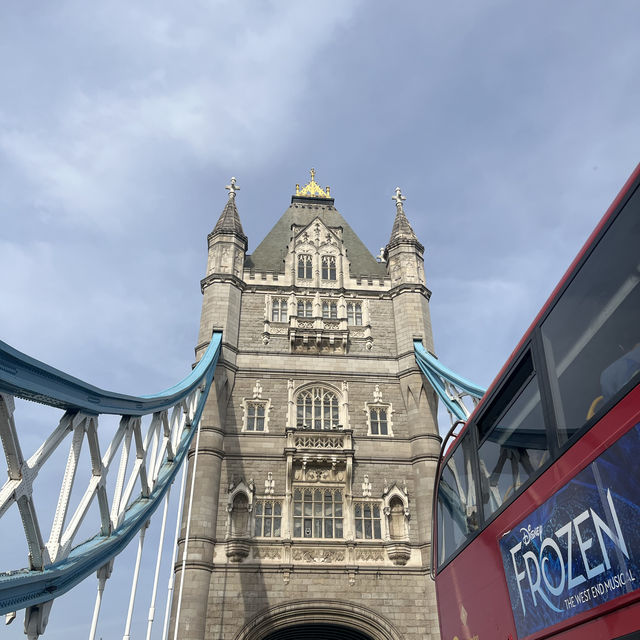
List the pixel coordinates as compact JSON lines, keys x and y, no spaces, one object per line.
{"x":311,"y":388}
{"x":279,"y":309}
{"x":373,"y":504}
{"x":304,"y":266}
{"x":331,"y":307}
{"x":255,"y":402}
{"x":338,"y":521}
{"x":261,"y":517}
{"x":329,"y":268}
{"x":306,"y":305}
{"x":369,"y":407}
{"x":354,"y":313}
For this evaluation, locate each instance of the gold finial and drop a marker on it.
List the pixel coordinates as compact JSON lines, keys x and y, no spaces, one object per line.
{"x":233,"y":187}
{"x":312,"y":189}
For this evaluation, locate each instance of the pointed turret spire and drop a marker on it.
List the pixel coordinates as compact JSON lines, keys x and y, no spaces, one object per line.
{"x":403,"y":254}
{"x":401,"y":228}
{"x":229,"y":220}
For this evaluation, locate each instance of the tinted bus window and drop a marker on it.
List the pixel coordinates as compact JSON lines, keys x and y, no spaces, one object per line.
{"x":515,"y":444}
{"x":457,"y":508}
{"x":592,"y":335}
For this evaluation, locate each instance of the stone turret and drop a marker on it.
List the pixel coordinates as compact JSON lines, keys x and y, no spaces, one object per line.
{"x":404,"y":253}
{"x":227,"y":249}
{"x":222,"y":290}
{"x":410,"y":295}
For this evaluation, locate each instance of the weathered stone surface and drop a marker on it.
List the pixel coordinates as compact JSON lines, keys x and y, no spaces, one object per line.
{"x":241,"y":585}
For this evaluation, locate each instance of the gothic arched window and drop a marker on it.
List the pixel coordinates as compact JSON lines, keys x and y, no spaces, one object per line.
{"x":397,"y":527}
{"x":317,"y":408}
{"x":305,"y":266}
{"x":328,"y":267}
{"x":240,"y":516}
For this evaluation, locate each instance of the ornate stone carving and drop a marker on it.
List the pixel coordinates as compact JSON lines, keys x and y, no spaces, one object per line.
{"x":366,"y":487}
{"x":304,"y":441}
{"x":370,"y":555}
{"x":237,"y":549}
{"x":318,"y":556}
{"x":267,"y":553}
{"x":398,"y":552}
{"x":269,"y":484}
{"x":279,"y":330}
{"x":314,"y":472}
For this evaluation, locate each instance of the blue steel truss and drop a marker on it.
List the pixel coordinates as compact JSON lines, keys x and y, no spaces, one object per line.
{"x":25,"y":377}
{"x":450,"y":387}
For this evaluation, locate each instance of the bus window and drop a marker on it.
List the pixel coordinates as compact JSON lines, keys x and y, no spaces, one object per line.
{"x":592,"y":335}
{"x":457,"y":508}
{"x":513,"y":445}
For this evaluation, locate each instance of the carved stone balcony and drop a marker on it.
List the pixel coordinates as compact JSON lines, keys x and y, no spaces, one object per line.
{"x":237,"y":548}
{"x":318,"y":455}
{"x":398,"y":552}
{"x":318,"y":335}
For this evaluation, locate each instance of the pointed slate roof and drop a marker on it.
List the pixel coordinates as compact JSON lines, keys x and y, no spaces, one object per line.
{"x":271,"y":252}
{"x":402,"y":230}
{"x":229,"y":220}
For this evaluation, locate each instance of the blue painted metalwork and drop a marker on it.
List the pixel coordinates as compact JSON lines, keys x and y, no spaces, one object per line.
{"x":439,"y":375}
{"x":26,"y":377}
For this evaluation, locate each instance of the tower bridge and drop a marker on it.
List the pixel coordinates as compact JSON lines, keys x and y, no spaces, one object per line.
{"x":307,"y":437}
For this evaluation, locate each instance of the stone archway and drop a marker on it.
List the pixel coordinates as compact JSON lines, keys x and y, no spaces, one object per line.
{"x":317,"y":632}
{"x":301,"y":619}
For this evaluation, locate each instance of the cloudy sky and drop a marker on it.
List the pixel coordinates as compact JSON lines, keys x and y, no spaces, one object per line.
{"x":510,"y":127}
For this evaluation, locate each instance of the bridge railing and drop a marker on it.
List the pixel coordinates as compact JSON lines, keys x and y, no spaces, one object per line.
{"x":127,"y":480}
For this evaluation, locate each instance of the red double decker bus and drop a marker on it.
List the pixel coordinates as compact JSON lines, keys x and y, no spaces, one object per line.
{"x":536,"y":528}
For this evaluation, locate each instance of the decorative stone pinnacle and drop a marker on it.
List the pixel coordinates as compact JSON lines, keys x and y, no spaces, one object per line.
{"x":313,"y":189}
{"x":232,"y":188}
{"x":399,"y":198}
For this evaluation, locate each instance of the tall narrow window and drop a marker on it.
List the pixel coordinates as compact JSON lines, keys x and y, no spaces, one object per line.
{"x":329,"y":309}
{"x":317,"y":513}
{"x":379,"y":423}
{"x":255,"y":416}
{"x":279,"y":310}
{"x":305,"y":309}
{"x":305,"y":266}
{"x":328,"y":268}
{"x":367,"y":518}
{"x":268,"y":518}
{"x":354,"y":313}
{"x":317,"y":408}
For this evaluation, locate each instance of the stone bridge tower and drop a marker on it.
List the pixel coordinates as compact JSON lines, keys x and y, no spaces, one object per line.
{"x":314,"y":471}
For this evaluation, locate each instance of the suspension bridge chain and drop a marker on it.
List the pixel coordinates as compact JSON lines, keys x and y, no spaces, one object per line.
{"x":458,"y":394}
{"x":144,"y":454}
